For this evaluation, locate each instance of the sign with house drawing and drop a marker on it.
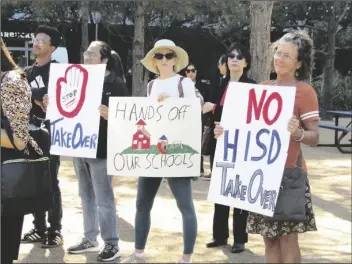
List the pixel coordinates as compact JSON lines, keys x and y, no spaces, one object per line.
{"x":74,"y":92}
{"x":152,"y":139}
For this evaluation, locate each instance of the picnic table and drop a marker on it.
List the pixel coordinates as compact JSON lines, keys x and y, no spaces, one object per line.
{"x":344,"y":130}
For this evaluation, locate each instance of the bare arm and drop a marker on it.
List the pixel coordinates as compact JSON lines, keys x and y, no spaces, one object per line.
{"x":310,"y":133}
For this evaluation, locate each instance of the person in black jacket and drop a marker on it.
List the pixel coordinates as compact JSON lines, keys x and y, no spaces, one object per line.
{"x":204,"y":88}
{"x":217,"y":83}
{"x":238,"y":65}
{"x":95,"y":185}
{"x":46,"y":40}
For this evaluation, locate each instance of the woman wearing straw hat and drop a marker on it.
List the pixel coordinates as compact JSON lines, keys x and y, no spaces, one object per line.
{"x":165,"y":59}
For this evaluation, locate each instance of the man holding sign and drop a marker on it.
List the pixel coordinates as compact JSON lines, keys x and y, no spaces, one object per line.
{"x":280,"y":206}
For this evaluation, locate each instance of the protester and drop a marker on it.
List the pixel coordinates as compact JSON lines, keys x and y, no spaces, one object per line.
{"x":238,"y":65}
{"x":203,"y":89}
{"x":293,"y":64}
{"x":165,"y":59}
{"x":46,"y":40}
{"x":203,"y":86}
{"x":222,"y":66}
{"x":210,"y":143}
{"x":15,"y":107}
{"x":95,"y":186}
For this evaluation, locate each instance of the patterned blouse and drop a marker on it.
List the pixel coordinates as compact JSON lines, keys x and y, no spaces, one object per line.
{"x":16,"y":106}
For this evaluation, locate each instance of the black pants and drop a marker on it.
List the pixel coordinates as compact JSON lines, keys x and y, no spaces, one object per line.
{"x":212,"y":155}
{"x":55,"y":213}
{"x":11,"y":229}
{"x":221,"y":226}
{"x":201,"y":156}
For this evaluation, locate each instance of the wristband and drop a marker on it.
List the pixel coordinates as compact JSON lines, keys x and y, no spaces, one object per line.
{"x":302,"y":137}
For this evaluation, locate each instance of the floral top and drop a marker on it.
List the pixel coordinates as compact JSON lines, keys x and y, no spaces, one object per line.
{"x":16,"y":106}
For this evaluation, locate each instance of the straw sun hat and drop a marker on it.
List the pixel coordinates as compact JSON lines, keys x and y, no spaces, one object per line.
{"x":181,"y":55}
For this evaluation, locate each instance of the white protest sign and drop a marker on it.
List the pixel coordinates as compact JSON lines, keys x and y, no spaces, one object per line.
{"x":251,"y":154}
{"x":148,"y":138}
{"x":75,"y":93}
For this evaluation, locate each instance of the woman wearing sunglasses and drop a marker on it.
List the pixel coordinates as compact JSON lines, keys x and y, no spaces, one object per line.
{"x":238,"y":65}
{"x":165,"y":59}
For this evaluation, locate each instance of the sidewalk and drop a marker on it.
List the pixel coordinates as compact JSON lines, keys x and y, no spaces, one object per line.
{"x":330,"y":179}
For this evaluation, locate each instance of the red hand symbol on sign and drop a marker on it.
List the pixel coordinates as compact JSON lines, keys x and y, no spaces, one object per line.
{"x":71,"y":91}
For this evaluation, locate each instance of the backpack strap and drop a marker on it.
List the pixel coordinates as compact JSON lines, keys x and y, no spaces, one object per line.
{"x":299,"y":160}
{"x":150,"y":86}
{"x":180,"y":88}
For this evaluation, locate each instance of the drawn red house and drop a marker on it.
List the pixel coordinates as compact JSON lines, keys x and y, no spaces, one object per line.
{"x":141,"y":139}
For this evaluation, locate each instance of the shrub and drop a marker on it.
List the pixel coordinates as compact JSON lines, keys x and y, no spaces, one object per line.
{"x":342,"y":91}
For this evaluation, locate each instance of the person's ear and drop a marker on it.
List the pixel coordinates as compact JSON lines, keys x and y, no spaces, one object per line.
{"x":53,"y":48}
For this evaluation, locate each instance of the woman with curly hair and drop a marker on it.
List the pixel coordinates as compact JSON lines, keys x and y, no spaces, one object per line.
{"x":293,"y":64}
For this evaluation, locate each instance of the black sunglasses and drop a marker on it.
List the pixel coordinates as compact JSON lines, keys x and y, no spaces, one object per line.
{"x":232,"y":56}
{"x":191,"y":70}
{"x":168,"y":56}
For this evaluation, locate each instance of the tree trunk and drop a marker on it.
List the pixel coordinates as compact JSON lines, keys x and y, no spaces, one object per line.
{"x":260,"y":23}
{"x":328,"y":80}
{"x":138,"y":84}
{"x":84,"y":27}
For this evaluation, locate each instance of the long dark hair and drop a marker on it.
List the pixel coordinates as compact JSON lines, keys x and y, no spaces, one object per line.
{"x":114,"y":63}
{"x":242,"y":50}
{"x":7,"y":62}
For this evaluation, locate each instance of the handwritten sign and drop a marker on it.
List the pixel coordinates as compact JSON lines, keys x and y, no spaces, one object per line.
{"x":251,"y":154}
{"x":74,"y":97}
{"x":147,"y":138}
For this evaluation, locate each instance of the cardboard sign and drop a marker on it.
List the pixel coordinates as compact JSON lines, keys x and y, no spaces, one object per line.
{"x":75,"y":93}
{"x":251,"y":154}
{"x":148,"y":138}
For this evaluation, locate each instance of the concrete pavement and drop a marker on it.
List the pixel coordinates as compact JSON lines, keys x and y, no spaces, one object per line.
{"x":330,"y":178}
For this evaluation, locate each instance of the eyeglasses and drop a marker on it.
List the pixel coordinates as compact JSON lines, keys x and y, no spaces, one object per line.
{"x":237,"y":56}
{"x":284,"y":56}
{"x":190,"y":70}
{"x":89,"y":54}
{"x":168,"y":56}
{"x":39,"y":41}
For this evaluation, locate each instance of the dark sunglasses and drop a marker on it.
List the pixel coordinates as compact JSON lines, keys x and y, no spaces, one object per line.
{"x":232,"y":56}
{"x":168,"y":56}
{"x":191,"y":70}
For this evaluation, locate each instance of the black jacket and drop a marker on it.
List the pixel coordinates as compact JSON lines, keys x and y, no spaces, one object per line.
{"x":218,"y":94}
{"x":38,"y":79}
{"x":113,"y":86}
{"x":204,"y":87}
{"x":216,"y":99}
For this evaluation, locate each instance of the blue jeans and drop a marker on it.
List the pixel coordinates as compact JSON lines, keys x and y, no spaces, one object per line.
{"x":97,"y":198}
{"x":182,"y":190}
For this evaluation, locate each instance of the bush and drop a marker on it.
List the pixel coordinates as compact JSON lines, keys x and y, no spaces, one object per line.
{"x":342,"y":91}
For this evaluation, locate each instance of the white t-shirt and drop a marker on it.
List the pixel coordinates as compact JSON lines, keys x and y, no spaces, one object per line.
{"x":170,"y":87}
